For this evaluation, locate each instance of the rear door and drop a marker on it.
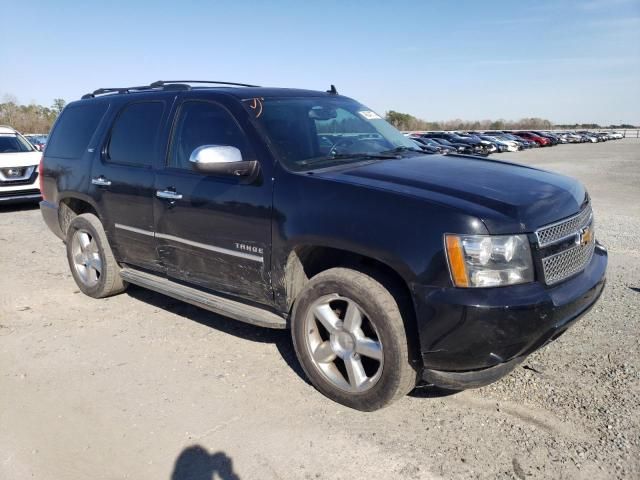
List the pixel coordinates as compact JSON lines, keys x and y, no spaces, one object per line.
{"x":215,"y":232}
{"x":122,"y":180}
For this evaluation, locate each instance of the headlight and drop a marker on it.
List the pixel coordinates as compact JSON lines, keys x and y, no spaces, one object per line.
{"x":489,"y":261}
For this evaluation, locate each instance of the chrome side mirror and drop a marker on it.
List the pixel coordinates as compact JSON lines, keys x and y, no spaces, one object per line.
{"x":221,"y":160}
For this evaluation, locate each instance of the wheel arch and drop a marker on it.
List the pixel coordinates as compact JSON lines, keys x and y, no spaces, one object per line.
{"x":70,"y":206}
{"x":306,"y":261}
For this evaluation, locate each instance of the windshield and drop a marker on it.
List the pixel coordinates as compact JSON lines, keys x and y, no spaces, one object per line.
{"x":318,"y":132}
{"x":13,"y":144}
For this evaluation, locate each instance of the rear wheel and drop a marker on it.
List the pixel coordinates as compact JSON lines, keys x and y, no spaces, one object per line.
{"x":91,"y":260}
{"x":351,"y":340}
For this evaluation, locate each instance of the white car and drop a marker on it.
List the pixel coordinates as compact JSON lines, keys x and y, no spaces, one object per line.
{"x":19,"y":162}
{"x":511,"y":145}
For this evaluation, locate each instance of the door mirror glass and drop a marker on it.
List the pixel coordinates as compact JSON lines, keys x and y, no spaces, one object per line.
{"x":221,"y":160}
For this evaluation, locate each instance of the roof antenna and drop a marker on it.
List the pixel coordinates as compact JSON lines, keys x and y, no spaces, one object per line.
{"x":333,"y":90}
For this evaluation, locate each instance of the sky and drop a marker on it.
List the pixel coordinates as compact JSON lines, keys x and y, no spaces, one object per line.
{"x":565,"y":60}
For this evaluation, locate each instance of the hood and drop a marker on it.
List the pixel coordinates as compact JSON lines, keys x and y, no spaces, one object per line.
{"x":20,"y":159}
{"x":507,"y":197}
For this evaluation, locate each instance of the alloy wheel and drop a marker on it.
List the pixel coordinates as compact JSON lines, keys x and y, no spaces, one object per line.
{"x":343,"y":343}
{"x":86,"y":258}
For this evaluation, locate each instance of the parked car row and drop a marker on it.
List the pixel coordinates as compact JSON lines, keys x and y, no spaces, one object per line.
{"x":586,"y":136}
{"x":488,"y":142}
{"x":37,"y":140}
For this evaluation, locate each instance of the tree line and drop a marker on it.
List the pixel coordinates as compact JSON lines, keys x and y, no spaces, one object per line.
{"x":404,"y":121}
{"x":29,"y":118}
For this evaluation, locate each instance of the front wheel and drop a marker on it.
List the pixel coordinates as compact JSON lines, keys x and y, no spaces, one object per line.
{"x":351,"y":340}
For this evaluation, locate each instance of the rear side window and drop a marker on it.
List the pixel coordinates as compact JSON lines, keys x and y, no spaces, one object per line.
{"x":74,"y":130}
{"x":134,"y":136}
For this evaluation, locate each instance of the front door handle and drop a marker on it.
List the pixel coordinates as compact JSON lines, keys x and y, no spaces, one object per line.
{"x":101,"y":181}
{"x":168,"y":194}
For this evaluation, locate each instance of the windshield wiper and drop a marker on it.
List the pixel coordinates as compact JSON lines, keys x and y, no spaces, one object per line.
{"x":382,"y":155}
{"x":349,"y":156}
{"x":403,"y":149}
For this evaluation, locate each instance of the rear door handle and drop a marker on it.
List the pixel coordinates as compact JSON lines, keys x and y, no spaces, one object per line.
{"x":168,"y":194}
{"x":101,"y":181}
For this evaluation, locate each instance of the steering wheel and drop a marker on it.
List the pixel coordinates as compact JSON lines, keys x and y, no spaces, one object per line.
{"x":342,"y":141}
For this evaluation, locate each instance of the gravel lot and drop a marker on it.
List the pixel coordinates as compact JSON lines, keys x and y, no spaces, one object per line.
{"x":141,"y":386}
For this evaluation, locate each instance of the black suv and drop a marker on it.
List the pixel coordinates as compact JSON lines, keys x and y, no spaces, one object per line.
{"x":305,"y":210}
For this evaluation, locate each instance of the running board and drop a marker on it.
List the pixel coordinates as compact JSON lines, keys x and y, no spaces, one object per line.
{"x":208,"y":301}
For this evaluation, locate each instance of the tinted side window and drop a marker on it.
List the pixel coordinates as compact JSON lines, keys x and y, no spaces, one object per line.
{"x":74,"y":130}
{"x":134,"y":136}
{"x":203,"y":123}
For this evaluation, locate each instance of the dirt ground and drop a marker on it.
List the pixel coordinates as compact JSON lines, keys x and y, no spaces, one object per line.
{"x":140,"y":386}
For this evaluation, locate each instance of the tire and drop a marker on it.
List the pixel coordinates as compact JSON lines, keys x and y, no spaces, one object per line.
{"x":350,"y":338}
{"x":90,"y":258}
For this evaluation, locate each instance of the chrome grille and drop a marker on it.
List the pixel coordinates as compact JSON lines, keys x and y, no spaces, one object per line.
{"x":567,"y":263}
{"x":564,"y":229}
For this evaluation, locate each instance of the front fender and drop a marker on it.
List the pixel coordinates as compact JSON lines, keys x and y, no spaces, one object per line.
{"x":400,"y":231}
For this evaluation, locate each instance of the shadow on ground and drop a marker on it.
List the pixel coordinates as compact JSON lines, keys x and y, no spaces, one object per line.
{"x":430,"y":391}
{"x":18,"y":207}
{"x":280,"y":338}
{"x":195,"y":463}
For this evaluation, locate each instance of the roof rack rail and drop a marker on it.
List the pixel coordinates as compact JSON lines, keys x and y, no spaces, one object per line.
{"x":176,"y":86}
{"x":162,"y":83}
{"x":102,"y":91}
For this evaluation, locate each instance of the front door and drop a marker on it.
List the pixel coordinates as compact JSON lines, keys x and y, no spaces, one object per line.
{"x":213,"y":231}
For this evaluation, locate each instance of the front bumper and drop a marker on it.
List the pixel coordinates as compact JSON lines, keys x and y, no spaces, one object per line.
{"x":21,"y":190}
{"x":19,"y":196}
{"x":485,"y":332}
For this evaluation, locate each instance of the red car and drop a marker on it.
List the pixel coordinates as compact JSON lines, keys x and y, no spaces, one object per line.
{"x":532,"y":137}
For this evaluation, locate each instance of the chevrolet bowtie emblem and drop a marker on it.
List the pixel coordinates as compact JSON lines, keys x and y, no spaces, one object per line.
{"x":585,"y":236}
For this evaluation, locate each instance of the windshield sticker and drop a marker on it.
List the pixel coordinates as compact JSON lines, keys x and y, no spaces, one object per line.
{"x":369,"y":115}
{"x":256,"y":105}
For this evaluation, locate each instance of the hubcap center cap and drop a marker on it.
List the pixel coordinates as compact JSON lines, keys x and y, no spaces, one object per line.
{"x":343,"y":343}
